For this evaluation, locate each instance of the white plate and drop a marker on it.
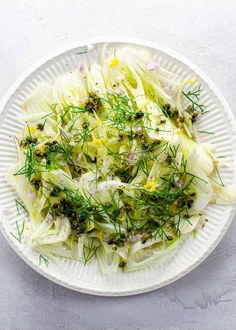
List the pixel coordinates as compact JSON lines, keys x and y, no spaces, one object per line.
{"x":88,"y":279}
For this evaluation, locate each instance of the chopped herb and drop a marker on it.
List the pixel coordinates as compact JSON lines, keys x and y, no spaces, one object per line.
{"x":205,"y":132}
{"x":194,"y":97}
{"x":55,"y":191}
{"x":90,"y":250}
{"x":43,"y":259}
{"x":18,"y":205}
{"x":20,"y":230}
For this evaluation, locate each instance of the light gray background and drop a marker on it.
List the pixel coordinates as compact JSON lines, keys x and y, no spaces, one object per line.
{"x":205,"y":32}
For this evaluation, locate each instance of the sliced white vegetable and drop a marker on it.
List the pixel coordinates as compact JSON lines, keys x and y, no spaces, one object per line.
{"x":95,"y":80}
{"x":154,"y":128}
{"x":61,"y":179}
{"x":225,"y":195}
{"x":186,"y":226}
{"x":51,"y":235}
{"x":109,"y":261}
{"x":39,"y":101}
{"x":159,"y":255}
{"x":70,"y":90}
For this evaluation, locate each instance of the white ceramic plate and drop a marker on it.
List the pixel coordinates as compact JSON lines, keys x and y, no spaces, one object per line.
{"x":73,"y":274}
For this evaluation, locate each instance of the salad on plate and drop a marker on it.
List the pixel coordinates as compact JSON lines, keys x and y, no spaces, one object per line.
{"x":110,"y":165}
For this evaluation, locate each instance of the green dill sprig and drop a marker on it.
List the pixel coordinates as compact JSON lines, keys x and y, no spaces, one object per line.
{"x":221,"y":183}
{"x":69,"y":111}
{"x":206,"y":132}
{"x":122,"y":110}
{"x":28,"y":169}
{"x":171,"y":199}
{"x":82,"y":52}
{"x":83,"y":135}
{"x":20,"y":230}
{"x":20,"y":205}
{"x":79,"y":210}
{"x":90,"y":250}
{"x":194,"y":98}
{"x":33,"y":165}
{"x":43,"y":260}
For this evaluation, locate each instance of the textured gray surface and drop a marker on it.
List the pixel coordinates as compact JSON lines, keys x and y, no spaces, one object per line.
{"x":204,"y":31}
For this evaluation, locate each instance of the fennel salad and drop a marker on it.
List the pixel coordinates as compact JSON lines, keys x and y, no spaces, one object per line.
{"x":110,"y":166}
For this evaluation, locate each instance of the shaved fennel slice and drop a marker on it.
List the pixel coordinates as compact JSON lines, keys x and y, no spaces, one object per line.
{"x":61,"y":179}
{"x":128,"y":77}
{"x":21,"y":186}
{"x":140,"y":74}
{"x":150,"y":259}
{"x":138,"y":246}
{"x":111,"y":185}
{"x":39,"y":101}
{"x":70,"y":90}
{"x":152,"y":123}
{"x":108,"y":259}
{"x":187,"y":226}
{"x":95,"y":80}
{"x":224,"y":195}
{"x":50,"y":233}
{"x":204,"y":193}
{"x":87,"y":184}
{"x":52,"y":251}
{"x":197,"y":158}
{"x":30,"y":118}
{"x":110,"y":228}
